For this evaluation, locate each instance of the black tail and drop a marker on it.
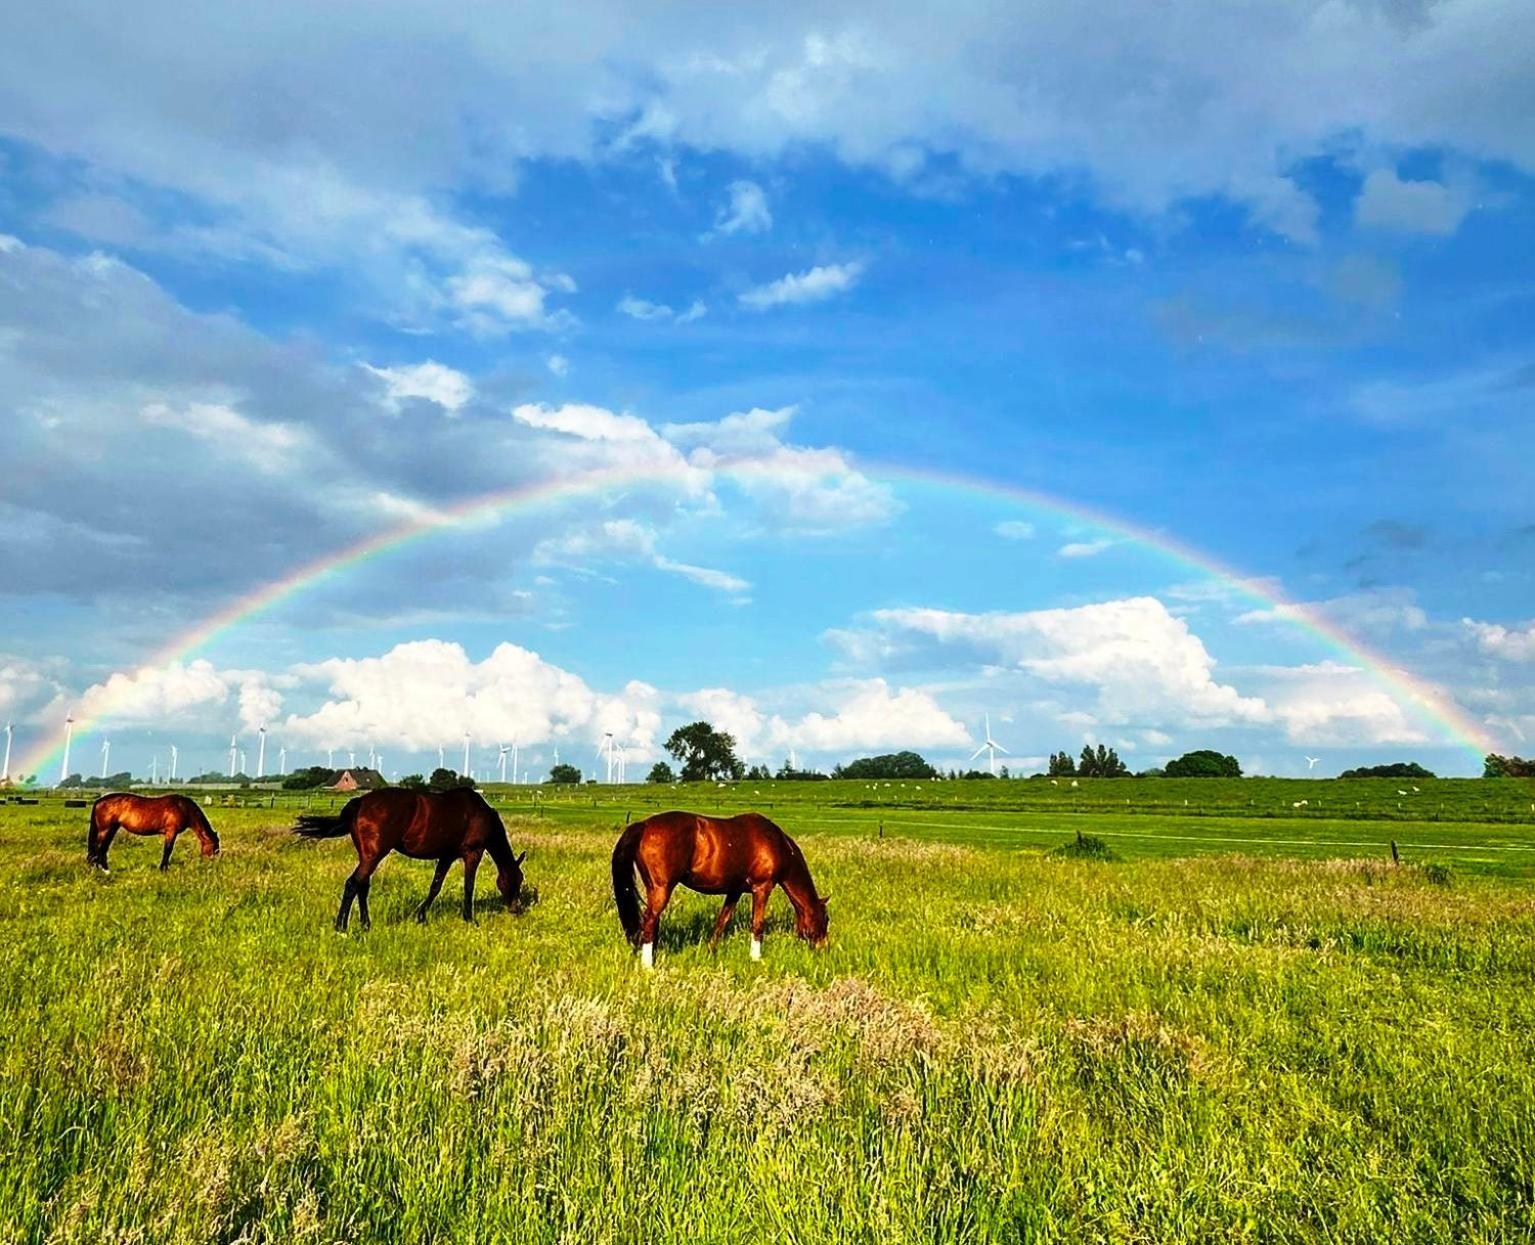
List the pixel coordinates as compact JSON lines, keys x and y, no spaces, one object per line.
{"x":326,"y":825}
{"x":625,"y":893}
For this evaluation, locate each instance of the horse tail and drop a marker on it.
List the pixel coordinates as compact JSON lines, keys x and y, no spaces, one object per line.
{"x":625,"y":893}
{"x":327,"y":825}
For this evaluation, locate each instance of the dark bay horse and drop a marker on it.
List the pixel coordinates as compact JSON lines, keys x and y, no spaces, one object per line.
{"x":716,"y":856}
{"x":428,"y":825}
{"x":166,"y":815}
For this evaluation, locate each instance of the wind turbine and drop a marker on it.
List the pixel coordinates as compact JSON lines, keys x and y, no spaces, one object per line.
{"x":441,"y":762}
{"x":623,"y":764}
{"x":514,"y":760}
{"x":991,"y":747}
{"x":154,"y":770}
{"x":330,"y":758}
{"x":1311,"y":763}
{"x":106,"y":755}
{"x":5,"y":774}
{"x":605,"y":749}
{"x":261,"y":751}
{"x":465,"y":770}
{"x":234,"y":752}
{"x":502,"y":755}
{"x":69,"y":734}
{"x":351,"y":759}
{"x":174,"y":756}
{"x":282,"y":759}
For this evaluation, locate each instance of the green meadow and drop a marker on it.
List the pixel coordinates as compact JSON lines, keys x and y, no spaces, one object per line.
{"x":1246,"y":1024}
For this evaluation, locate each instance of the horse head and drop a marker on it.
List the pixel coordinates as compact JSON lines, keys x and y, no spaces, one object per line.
{"x":509,"y":881}
{"x":811,"y":921}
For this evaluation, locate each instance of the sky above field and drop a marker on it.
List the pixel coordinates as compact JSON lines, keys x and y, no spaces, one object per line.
{"x":843,"y":380}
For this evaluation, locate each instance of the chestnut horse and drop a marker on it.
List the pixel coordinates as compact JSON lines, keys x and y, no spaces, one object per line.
{"x":166,"y":815}
{"x":428,"y":825}
{"x":715,"y":856}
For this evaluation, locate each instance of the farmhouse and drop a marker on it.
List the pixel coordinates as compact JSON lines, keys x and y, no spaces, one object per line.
{"x":360,"y":779}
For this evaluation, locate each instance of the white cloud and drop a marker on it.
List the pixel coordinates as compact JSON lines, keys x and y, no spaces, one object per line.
{"x":180,"y":693}
{"x":558,"y":364}
{"x":1496,"y":640}
{"x":852,"y":715}
{"x":641,"y":309}
{"x":1014,"y":529}
{"x":1336,"y":706}
{"x":270,"y":446}
{"x":431,"y":380}
{"x":747,"y":211}
{"x":1085,"y":548}
{"x":803,"y":489}
{"x":628,"y":539}
{"x":1144,"y":664}
{"x":1378,"y":610}
{"x":427,"y":693}
{"x":813,"y":286}
{"x":1388,"y":202}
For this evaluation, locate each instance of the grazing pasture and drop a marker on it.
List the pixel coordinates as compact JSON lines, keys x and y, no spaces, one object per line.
{"x":1248,"y":1026}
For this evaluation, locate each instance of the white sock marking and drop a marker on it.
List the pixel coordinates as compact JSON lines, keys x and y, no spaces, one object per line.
{"x":648,"y":955}
{"x":756,"y":948}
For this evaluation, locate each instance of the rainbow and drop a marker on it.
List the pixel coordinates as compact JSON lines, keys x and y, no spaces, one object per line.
{"x":1431,"y":702}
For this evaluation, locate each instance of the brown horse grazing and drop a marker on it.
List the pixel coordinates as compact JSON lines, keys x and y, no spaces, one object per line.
{"x":716,"y":856}
{"x":429,"y":825}
{"x":166,"y":815}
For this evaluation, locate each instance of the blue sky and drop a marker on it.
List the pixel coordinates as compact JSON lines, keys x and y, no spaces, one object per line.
{"x":1256,"y":282}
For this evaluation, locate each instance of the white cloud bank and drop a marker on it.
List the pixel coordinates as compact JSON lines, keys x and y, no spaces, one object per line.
{"x":812,"y":286}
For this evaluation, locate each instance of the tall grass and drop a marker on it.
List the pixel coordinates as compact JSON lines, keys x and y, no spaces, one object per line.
{"x":997,"y":1045}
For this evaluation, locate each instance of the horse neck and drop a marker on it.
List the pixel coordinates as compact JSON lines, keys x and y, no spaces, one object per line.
{"x":799,"y":886}
{"x":498,"y":845}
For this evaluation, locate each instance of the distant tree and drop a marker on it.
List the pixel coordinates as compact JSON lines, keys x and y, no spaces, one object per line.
{"x":443,"y":779}
{"x":1398,"y":769}
{"x":564,"y":774}
{"x":1205,"y":763}
{"x":760,"y":772}
{"x":413,"y":782}
{"x":74,"y":780}
{"x":310,"y":777}
{"x":788,"y":773}
{"x":1507,"y":767}
{"x":704,"y":753}
{"x":1101,"y":762}
{"x":887,"y":765}
{"x":1062,"y":766}
{"x":660,"y":772}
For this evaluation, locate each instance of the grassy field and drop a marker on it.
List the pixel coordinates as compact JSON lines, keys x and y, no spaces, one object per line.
{"x":1249,"y":1027}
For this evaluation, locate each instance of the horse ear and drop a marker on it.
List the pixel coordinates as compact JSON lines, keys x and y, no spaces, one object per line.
{"x":521,"y":858}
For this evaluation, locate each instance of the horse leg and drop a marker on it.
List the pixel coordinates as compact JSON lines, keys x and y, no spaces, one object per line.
{"x":98,"y":856}
{"x":657,"y":895}
{"x":442,"y":871}
{"x":364,"y":885}
{"x":759,"y":916}
{"x":348,"y":893}
{"x":165,"y":856}
{"x":728,"y":911}
{"x":471,"y":863}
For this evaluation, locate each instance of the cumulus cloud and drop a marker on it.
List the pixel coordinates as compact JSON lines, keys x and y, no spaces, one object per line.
{"x":1505,"y":643}
{"x":852,"y":715}
{"x":1330,"y":704}
{"x":431,"y":380}
{"x":811,"y":490}
{"x":270,"y":446}
{"x":1014,"y":529}
{"x":180,"y":693}
{"x":426,"y":694}
{"x":812,"y":286}
{"x":1144,"y":665}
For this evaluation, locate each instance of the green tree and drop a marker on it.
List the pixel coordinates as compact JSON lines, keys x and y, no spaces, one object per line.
{"x":888,"y":765}
{"x":1204,"y":763}
{"x":1062,"y":766}
{"x":1397,"y":769}
{"x":704,"y":753}
{"x":660,"y":772}
{"x":310,"y":777}
{"x":443,"y":779}
{"x":1507,"y":767}
{"x":1101,"y":762}
{"x":413,"y":782}
{"x":563,"y":774}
